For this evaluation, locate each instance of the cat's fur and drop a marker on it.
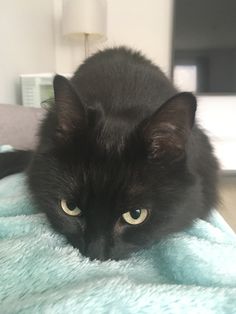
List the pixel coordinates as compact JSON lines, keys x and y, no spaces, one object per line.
{"x":120,"y":137}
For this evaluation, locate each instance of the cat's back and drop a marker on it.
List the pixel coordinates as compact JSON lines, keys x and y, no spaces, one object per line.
{"x":122,"y":84}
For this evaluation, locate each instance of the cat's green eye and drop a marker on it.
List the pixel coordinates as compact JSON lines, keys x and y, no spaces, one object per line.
{"x":70,"y":208}
{"x":135,"y":216}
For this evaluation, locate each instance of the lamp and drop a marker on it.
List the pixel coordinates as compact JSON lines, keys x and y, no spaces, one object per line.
{"x":84,"y":18}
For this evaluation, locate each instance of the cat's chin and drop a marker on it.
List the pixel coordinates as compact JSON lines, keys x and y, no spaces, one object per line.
{"x":115,"y":258}
{"x":113,"y":255}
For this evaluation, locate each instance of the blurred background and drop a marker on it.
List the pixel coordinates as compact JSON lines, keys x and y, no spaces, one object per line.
{"x":194,"y":43}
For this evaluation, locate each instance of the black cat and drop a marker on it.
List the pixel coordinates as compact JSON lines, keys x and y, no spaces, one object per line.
{"x":121,"y":161}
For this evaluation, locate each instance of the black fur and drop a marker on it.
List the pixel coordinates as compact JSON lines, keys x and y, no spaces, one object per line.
{"x":120,"y":137}
{"x":13,"y":162}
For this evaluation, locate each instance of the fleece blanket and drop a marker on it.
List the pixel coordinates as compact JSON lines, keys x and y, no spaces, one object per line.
{"x":190,"y":272}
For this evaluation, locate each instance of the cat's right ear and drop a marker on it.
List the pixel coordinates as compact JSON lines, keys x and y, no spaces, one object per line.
{"x":68,"y":106}
{"x":167,"y":131}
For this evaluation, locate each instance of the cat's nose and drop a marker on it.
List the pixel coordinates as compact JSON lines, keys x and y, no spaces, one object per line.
{"x":96,"y":249}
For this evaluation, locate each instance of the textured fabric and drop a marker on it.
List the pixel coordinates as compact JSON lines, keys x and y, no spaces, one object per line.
{"x":190,"y":272}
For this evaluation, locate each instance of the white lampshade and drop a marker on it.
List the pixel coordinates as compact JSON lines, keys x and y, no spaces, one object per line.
{"x":82,"y":17}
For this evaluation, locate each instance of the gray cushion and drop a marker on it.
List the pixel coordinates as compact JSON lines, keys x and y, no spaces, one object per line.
{"x":19,"y":125}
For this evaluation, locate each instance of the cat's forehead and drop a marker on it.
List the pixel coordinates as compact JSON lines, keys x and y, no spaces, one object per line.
{"x":116,"y":173}
{"x":109,"y":134}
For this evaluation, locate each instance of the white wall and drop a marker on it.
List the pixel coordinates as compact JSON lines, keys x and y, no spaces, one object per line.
{"x":27,"y":43}
{"x":217,"y":116}
{"x":142,"y":24}
{"x":31,"y":40}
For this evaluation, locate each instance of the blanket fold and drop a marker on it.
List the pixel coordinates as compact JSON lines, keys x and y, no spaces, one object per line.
{"x":189,"y":272}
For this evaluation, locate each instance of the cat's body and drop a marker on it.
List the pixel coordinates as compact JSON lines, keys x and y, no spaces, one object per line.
{"x":118,"y":142}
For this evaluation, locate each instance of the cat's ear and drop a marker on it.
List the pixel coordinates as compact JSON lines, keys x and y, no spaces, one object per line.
{"x":69,"y":108}
{"x":166,"y":132}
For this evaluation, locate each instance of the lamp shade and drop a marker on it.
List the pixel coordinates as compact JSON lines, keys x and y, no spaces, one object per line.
{"x":81,"y":17}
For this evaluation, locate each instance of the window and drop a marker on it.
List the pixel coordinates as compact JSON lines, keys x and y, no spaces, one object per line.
{"x":185,"y":77}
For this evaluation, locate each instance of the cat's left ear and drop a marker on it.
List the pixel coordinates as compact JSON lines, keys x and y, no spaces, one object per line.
{"x":167,"y":131}
{"x":69,"y":108}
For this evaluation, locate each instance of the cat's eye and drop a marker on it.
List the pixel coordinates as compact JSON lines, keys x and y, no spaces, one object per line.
{"x":70,"y":208}
{"x":135,"y":216}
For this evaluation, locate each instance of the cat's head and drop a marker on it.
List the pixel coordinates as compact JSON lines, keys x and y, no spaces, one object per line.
{"x":113,"y":199}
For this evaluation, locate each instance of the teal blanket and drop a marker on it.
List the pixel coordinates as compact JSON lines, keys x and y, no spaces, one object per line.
{"x":190,"y":272}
